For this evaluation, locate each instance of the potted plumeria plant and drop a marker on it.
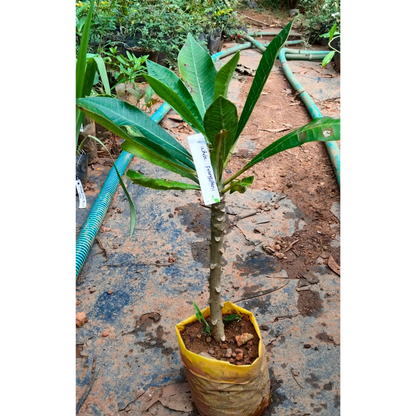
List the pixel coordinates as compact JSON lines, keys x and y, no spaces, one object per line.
{"x":199,"y":95}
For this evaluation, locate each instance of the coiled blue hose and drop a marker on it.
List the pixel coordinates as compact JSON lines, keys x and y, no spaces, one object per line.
{"x":100,"y":207}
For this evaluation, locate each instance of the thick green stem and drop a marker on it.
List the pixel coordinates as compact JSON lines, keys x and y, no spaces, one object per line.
{"x":215,"y":275}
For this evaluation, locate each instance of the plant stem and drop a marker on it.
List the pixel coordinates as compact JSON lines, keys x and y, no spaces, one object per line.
{"x":215,"y":275}
{"x":241,"y":171}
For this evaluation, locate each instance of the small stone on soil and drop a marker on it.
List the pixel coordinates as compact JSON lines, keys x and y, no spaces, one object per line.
{"x":228,"y":353}
{"x":105,"y":334}
{"x":306,"y":345}
{"x":264,"y":327}
{"x":81,"y":319}
{"x":242,"y":339}
{"x":209,"y":339}
{"x":224,"y":346}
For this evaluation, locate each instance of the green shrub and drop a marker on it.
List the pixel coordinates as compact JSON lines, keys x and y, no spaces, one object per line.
{"x":158,"y":25}
{"x":320,"y":16}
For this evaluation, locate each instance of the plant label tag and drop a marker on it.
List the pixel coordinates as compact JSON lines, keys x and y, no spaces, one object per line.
{"x":81,"y":195}
{"x":200,"y":154}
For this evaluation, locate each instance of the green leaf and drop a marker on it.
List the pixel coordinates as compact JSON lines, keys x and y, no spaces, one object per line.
{"x":332,"y":31}
{"x":138,"y":150}
{"x":82,"y":54}
{"x":133,"y":146}
{"x":90,"y":70}
{"x":328,"y":58}
{"x":81,"y":63}
{"x":217,"y":154}
{"x":201,"y":318}
{"x":224,"y":75}
{"x":266,"y":64}
{"x":323,"y":129}
{"x":240,"y":185}
{"x":326,"y":35}
{"x":149,"y":91}
{"x":221,"y":115}
{"x":170,"y":88}
{"x":232,"y":317}
{"x":161,"y":184}
{"x":155,"y":137}
{"x":103,"y":73}
{"x":198,"y":71}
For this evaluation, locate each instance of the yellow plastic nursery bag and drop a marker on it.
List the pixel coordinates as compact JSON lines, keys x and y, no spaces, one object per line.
{"x":222,"y":389}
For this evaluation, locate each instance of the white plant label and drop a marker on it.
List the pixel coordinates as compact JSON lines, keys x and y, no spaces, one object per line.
{"x":200,"y":154}
{"x":81,"y":195}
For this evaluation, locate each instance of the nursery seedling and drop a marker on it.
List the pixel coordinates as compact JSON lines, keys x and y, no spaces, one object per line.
{"x":199,"y":96}
{"x":201,"y":318}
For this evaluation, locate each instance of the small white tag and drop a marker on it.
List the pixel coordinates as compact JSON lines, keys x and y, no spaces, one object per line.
{"x":200,"y":154}
{"x":81,"y":195}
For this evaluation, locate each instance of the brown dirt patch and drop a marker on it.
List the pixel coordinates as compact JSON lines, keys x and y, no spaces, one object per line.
{"x":198,"y":342}
{"x":309,"y":303}
{"x":304,"y":173}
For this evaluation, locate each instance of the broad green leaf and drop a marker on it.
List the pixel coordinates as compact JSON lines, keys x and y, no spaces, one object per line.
{"x":161,"y":184}
{"x":262,"y":73}
{"x":140,"y":151}
{"x":198,"y":71}
{"x":133,"y":146}
{"x":328,"y":58}
{"x":224,"y":75}
{"x":221,"y":115}
{"x":155,"y":137}
{"x":323,"y":129}
{"x":169,"y":87}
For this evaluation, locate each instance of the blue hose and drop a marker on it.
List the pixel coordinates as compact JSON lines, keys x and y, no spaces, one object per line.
{"x":332,"y":147}
{"x":230,"y":51}
{"x":100,"y":207}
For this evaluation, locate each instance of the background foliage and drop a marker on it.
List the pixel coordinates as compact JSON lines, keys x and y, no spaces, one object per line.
{"x":155,"y":25}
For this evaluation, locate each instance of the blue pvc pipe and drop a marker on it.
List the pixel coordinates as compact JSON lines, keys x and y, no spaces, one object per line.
{"x":100,"y":207}
{"x":234,"y":49}
{"x":332,"y":147}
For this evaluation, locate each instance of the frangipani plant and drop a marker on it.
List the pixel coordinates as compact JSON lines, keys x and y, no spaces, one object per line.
{"x":200,"y":97}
